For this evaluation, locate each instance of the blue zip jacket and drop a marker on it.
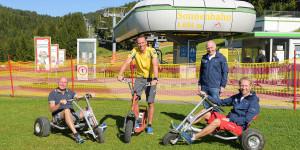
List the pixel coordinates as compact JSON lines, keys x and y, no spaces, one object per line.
{"x":242,"y":112}
{"x":214,"y":72}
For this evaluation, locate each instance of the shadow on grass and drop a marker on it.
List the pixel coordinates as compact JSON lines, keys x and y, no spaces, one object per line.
{"x":174,"y":115}
{"x":66,"y":132}
{"x":214,"y":140}
{"x":119,"y":123}
{"x":210,"y":140}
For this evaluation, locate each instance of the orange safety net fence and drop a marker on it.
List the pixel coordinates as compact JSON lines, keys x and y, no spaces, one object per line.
{"x":273,"y":82}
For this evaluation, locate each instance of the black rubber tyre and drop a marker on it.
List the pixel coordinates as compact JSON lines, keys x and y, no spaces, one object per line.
{"x":252,"y":139}
{"x":42,"y":127}
{"x":100,"y":135}
{"x":128,"y":131}
{"x":168,"y":137}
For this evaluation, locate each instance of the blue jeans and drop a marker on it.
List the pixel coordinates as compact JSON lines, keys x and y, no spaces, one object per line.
{"x":214,"y":92}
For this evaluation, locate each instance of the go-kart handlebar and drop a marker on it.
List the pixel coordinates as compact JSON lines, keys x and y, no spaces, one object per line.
{"x":211,"y":103}
{"x":87,"y":96}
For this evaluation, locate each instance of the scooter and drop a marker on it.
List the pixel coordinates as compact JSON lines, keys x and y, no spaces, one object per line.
{"x":131,"y":120}
{"x":250,"y":139}
{"x":42,"y":125}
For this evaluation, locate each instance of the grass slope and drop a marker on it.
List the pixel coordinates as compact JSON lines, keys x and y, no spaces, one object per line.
{"x":280,"y":127}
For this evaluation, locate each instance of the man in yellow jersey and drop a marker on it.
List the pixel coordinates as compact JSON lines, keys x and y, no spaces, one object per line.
{"x":147,"y":65}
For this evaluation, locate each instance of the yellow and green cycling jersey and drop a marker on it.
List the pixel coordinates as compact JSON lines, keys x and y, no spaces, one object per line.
{"x":143,"y":61}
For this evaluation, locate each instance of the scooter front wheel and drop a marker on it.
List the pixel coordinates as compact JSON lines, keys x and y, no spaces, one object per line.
{"x":128,"y":131}
{"x":168,"y":138}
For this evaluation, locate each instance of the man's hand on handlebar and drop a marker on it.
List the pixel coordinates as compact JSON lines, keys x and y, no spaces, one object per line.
{"x":202,"y":94}
{"x":120,"y":78}
{"x":91,"y":94}
{"x":63,"y":101}
{"x":153,"y":82}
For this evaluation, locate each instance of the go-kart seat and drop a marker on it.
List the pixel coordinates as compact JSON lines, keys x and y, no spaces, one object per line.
{"x":251,"y":121}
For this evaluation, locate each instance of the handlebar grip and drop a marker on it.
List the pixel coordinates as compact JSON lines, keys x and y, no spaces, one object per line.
{"x":88,"y":95}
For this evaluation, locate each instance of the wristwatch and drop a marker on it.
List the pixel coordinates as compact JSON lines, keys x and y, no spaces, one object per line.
{"x":155,"y":79}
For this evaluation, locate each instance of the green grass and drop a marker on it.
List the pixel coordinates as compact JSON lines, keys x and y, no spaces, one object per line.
{"x":280,"y":127}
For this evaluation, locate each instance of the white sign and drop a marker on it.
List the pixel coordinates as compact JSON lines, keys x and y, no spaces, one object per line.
{"x":61,"y":56}
{"x":86,"y":51}
{"x":54,"y":54}
{"x":82,"y":72}
{"x":42,"y":52}
{"x":280,"y":55}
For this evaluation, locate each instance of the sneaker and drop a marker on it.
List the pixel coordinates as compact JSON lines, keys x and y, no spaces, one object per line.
{"x":174,"y":125}
{"x":79,"y":139}
{"x":104,"y":126}
{"x":149,"y":130}
{"x":187,"y":137}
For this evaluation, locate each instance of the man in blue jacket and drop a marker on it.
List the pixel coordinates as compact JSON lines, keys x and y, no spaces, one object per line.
{"x":245,"y":108}
{"x":213,"y":73}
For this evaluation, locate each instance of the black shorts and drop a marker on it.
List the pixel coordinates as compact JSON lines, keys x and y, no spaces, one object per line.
{"x":149,"y":90}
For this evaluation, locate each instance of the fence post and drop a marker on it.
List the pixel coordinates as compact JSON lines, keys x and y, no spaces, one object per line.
{"x":12,"y":85}
{"x":72,"y":73}
{"x":295,"y":81}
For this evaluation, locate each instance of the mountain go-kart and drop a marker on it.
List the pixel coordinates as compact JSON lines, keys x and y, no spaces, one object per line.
{"x":250,"y":139}
{"x":42,"y":125}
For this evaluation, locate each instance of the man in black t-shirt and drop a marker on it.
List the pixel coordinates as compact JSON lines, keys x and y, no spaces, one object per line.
{"x":62,"y":109}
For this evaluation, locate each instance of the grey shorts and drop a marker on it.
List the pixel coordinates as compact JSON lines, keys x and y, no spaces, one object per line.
{"x":75,"y":116}
{"x":149,"y":90}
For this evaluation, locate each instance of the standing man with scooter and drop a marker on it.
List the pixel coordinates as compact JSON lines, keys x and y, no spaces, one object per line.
{"x":147,"y":71}
{"x":213,"y":73}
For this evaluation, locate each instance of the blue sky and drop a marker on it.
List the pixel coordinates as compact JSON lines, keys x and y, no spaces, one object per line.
{"x":62,"y":7}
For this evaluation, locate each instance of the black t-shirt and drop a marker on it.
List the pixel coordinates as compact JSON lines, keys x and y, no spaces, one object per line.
{"x":56,"y":96}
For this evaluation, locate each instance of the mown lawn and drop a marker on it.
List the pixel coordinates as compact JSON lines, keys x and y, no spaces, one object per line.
{"x":281,"y":128}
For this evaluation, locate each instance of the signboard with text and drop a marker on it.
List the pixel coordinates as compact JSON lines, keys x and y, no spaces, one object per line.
{"x":61,"y":56}
{"x":54,"y":54}
{"x":82,"y":72}
{"x":183,"y":51}
{"x":192,"y":54}
{"x":42,"y":47}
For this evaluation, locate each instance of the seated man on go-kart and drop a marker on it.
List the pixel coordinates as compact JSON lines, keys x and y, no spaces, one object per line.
{"x":245,"y":108}
{"x":62,"y":110}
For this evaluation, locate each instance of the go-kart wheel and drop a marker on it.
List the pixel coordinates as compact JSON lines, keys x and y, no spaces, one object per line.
{"x":167,"y":139}
{"x":42,"y":127}
{"x":100,"y":135}
{"x":252,"y":139}
{"x":128,"y":131}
